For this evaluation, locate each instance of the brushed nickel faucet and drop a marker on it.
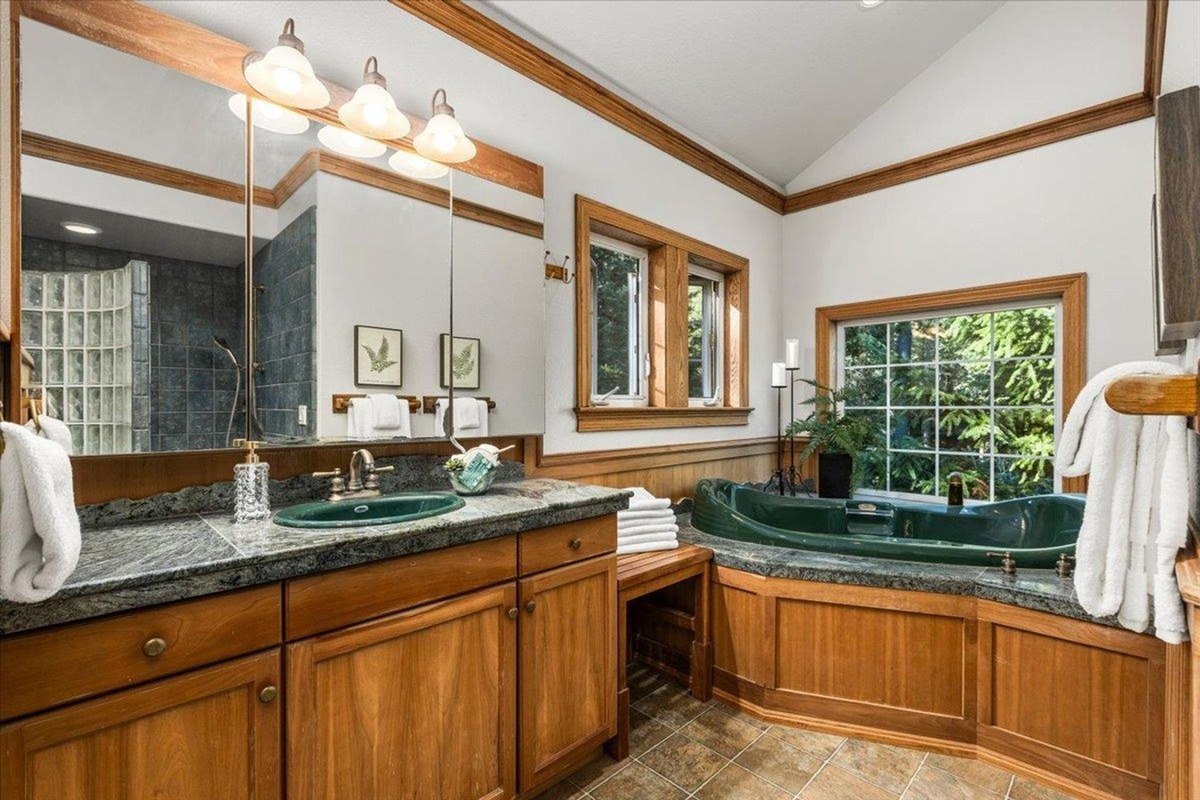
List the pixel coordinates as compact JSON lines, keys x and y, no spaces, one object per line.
{"x":954,"y":493}
{"x":362,"y":480}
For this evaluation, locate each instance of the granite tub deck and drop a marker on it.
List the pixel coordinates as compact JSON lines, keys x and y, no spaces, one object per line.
{"x":145,"y":563}
{"x":1035,"y":589}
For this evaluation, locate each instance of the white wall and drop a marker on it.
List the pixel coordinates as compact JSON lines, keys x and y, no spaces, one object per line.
{"x":1082,"y":205}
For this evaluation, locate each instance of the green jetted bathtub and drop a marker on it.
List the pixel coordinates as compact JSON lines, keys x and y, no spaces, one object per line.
{"x":1036,"y":530}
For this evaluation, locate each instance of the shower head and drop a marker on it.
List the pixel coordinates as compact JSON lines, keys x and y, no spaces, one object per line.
{"x":224,"y":345}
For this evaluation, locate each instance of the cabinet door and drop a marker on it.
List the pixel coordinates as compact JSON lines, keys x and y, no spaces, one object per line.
{"x":204,"y":734}
{"x":420,"y":704}
{"x":568,"y":666}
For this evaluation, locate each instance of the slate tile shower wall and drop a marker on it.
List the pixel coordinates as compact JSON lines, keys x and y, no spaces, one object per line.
{"x":182,"y":386}
{"x":285,"y":270}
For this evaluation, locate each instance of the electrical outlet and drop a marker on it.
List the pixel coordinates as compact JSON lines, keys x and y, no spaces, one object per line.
{"x":302,"y":415}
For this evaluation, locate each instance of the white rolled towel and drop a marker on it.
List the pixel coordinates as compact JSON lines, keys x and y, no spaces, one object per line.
{"x":39,"y":527}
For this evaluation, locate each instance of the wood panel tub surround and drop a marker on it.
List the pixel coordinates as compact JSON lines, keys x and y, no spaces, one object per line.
{"x":1070,"y":290}
{"x":667,"y":394}
{"x":1079,"y":706}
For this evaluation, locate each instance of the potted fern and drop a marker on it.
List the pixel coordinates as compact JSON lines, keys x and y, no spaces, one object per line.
{"x":838,"y":439}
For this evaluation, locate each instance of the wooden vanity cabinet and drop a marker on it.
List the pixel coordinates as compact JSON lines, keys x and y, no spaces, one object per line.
{"x":568,"y":656}
{"x":214,"y":732}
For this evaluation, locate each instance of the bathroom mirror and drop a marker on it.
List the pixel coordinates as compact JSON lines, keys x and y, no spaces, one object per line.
{"x":352,"y":286}
{"x":132,"y":291}
{"x":497,"y":354}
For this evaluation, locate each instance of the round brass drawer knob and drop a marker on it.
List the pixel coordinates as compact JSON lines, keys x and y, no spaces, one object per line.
{"x":576,"y":544}
{"x":530,"y":606}
{"x":154,"y":647}
{"x":512,"y":613}
{"x":268,"y":694}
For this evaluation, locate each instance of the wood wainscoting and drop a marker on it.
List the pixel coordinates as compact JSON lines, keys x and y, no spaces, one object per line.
{"x":1074,"y":705}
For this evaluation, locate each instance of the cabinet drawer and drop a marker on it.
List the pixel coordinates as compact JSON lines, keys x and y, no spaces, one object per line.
{"x":47,"y":668}
{"x":346,"y":596}
{"x":565,"y":544}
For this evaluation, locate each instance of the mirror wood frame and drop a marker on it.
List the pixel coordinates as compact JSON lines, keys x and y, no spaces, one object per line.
{"x":157,"y":37}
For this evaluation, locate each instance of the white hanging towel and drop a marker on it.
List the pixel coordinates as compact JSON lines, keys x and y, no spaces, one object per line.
{"x":55,"y":430}
{"x":466,"y":409}
{"x":39,"y":527}
{"x":360,"y":419}
{"x":1135,"y":519}
{"x":391,"y":416}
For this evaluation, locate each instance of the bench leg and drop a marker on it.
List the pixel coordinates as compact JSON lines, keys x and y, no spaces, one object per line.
{"x":701,"y":677}
{"x":617,"y":747}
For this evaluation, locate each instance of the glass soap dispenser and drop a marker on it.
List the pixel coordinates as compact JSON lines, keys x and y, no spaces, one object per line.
{"x":251,"y":485}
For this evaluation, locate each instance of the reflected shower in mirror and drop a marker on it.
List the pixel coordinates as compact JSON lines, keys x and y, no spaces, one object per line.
{"x":351,"y":271}
{"x":132,"y":248}
{"x":496,"y":362}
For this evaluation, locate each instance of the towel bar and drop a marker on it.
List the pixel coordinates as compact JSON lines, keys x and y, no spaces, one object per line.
{"x":1159,"y":395}
{"x":341,"y":402}
{"x":429,"y":402}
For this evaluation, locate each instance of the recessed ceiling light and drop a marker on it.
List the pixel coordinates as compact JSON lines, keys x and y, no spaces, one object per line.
{"x":870,"y":3}
{"x":81,"y":227}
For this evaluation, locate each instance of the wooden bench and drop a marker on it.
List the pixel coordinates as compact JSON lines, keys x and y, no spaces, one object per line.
{"x":638,"y":575}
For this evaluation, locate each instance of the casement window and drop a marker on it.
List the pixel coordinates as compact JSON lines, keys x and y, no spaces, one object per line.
{"x":619,"y":273}
{"x":706,"y":297}
{"x":975,"y":381}
{"x":662,"y":326}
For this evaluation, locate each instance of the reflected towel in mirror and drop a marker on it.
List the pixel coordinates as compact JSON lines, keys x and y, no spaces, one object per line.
{"x":467,"y":410}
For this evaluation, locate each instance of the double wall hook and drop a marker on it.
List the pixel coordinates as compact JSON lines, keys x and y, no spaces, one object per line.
{"x":558,"y":272}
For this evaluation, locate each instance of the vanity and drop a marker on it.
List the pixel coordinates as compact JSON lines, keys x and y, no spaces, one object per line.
{"x":496,"y":624}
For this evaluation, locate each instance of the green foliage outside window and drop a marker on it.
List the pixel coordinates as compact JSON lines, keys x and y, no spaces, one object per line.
{"x":973,"y":393}
{"x":615,"y":326}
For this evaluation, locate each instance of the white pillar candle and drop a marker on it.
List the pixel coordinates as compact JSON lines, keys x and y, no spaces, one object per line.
{"x":778,"y":375}
{"x":792,"y":356}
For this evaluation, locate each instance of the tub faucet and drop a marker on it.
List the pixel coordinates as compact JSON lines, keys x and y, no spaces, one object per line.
{"x":954,"y":494}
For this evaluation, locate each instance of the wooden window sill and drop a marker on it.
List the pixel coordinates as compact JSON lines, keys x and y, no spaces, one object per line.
{"x":626,"y":418}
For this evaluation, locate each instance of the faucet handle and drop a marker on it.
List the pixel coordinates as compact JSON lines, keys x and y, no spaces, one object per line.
{"x":371,"y":482}
{"x":1064,"y":566}
{"x":388,"y":468}
{"x":333,"y":473}
{"x":1007,"y":563}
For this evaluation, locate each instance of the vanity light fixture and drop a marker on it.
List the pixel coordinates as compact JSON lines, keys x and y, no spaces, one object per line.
{"x":372,"y":110}
{"x":81,"y":227}
{"x":443,"y":138}
{"x":269,"y":116}
{"x":284,"y":75}
{"x":349,"y":143}
{"x":412,"y":165}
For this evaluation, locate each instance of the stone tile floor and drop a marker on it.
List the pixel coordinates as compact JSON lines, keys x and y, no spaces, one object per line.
{"x":682,"y":748}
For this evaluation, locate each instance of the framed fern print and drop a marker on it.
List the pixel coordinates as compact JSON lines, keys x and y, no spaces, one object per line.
{"x":461,"y":361}
{"x":378,"y":356}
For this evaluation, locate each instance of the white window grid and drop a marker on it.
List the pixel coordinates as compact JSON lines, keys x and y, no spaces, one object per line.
{"x":937,"y":363}
{"x":639,"y":358}
{"x":83,"y":355}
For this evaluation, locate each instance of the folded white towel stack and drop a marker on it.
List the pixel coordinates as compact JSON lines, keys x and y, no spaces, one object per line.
{"x":648,"y":525}
{"x":1135,"y":519}
{"x":39,"y":527}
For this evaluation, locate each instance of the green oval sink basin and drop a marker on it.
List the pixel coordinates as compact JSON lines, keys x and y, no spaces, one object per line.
{"x":387,"y":510}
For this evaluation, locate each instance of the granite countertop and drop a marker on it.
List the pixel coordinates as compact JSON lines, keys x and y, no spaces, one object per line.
{"x":137,"y":564}
{"x":1036,"y":589}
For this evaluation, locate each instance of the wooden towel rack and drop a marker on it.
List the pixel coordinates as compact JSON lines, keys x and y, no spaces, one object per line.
{"x":429,"y":402}
{"x":1157,"y":395}
{"x":341,"y":402}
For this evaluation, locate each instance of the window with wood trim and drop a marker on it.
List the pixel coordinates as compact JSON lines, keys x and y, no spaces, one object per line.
{"x":662,"y":326}
{"x":972,"y":380}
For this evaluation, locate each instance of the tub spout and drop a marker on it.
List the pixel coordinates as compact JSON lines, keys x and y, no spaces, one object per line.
{"x":954,"y":494}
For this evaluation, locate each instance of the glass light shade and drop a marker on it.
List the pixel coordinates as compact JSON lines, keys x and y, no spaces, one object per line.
{"x":372,"y":112}
{"x":443,"y":140}
{"x":414,"y":166}
{"x":269,"y":116}
{"x":285,"y":76}
{"x":349,"y":143}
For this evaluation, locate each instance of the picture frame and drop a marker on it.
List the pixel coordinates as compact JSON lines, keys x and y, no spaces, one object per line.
{"x":378,"y":356}
{"x":462,"y":360}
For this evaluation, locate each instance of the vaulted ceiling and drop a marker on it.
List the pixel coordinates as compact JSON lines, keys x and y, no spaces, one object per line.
{"x":771,"y":84}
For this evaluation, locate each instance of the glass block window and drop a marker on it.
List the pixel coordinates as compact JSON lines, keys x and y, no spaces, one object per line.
{"x":971,"y":393}
{"x":77,"y":326}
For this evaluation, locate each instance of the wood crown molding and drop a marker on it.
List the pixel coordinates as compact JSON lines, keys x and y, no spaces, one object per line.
{"x":1069,"y":289}
{"x":311,"y":162}
{"x":160,"y":38}
{"x":493,"y":39}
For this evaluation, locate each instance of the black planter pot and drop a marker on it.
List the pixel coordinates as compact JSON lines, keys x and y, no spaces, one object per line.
{"x":833,"y":474}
